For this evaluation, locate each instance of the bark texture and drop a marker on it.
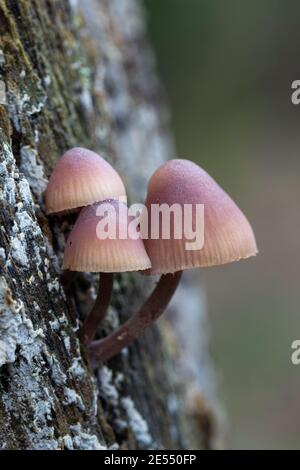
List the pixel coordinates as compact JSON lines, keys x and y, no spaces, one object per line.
{"x":82,"y":75}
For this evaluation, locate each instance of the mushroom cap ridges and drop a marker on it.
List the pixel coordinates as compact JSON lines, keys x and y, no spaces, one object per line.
{"x":86,"y":252}
{"x":228,"y":235}
{"x":81,"y":177}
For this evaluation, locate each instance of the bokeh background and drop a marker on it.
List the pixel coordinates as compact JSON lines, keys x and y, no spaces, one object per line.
{"x":227,"y":69}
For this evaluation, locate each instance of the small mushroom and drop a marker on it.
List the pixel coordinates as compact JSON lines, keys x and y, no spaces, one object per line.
{"x":80,"y":178}
{"x":86,"y":250}
{"x":228,"y":237}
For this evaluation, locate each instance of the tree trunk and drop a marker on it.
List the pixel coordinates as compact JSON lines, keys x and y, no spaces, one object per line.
{"x":83,"y":76}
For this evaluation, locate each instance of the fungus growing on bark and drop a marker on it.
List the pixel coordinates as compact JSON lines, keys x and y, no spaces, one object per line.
{"x":90,"y":247}
{"x":228,"y":237}
{"x":80,"y":178}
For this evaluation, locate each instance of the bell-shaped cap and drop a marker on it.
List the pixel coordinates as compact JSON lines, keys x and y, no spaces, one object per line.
{"x":228,"y":235}
{"x":99,"y":241}
{"x":80,"y":178}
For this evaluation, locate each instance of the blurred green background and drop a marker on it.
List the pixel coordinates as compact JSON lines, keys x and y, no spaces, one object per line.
{"x":227,"y":68}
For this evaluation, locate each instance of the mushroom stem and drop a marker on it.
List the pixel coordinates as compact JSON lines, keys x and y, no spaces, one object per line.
{"x":154,"y":306}
{"x":67,"y":278}
{"x":98,"y":312}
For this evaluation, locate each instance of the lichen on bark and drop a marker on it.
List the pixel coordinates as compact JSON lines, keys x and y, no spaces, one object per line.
{"x":76,"y":76}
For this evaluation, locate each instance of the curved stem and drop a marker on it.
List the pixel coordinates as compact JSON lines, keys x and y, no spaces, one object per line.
{"x":154,"y":306}
{"x":98,"y":312}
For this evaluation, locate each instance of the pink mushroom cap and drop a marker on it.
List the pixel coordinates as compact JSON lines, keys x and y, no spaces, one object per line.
{"x":80,"y":178}
{"x":228,"y":235}
{"x":86,"y":252}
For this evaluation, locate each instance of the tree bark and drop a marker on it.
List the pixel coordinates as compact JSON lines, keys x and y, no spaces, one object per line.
{"x":82,"y":77}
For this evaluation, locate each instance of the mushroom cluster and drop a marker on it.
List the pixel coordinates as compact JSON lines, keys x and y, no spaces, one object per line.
{"x":81,"y":179}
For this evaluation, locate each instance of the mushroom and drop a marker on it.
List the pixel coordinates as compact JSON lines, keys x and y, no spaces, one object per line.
{"x":228,"y":237}
{"x":90,"y":249}
{"x":80,"y":178}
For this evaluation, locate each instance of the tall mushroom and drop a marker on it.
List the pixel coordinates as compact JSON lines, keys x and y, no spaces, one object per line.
{"x":228,"y":237}
{"x":91,"y":248}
